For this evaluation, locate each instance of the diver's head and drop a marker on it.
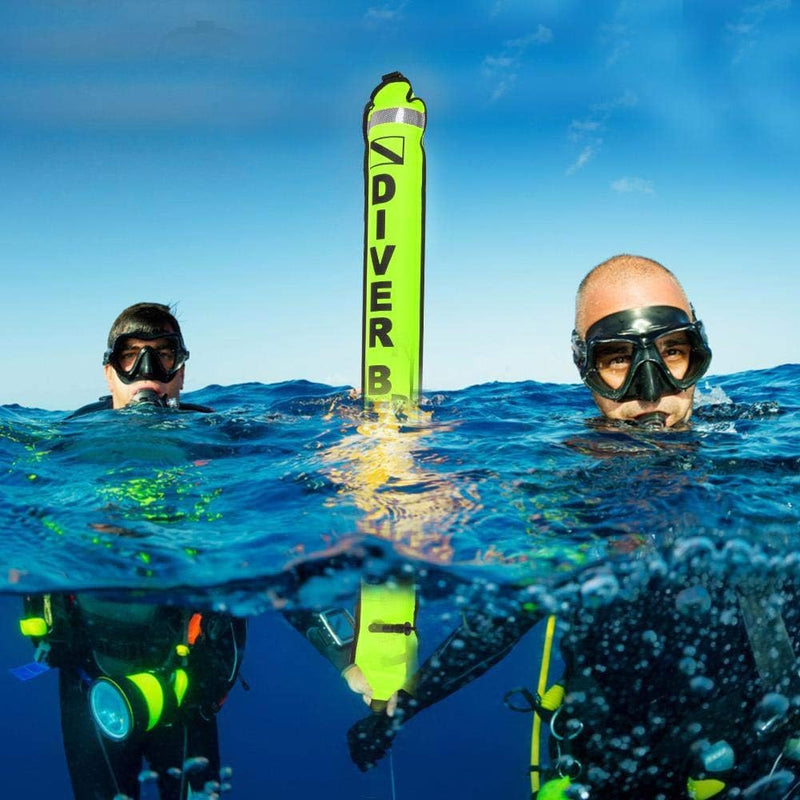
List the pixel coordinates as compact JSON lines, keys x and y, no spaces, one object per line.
{"x":637,"y":344}
{"x":145,"y":358}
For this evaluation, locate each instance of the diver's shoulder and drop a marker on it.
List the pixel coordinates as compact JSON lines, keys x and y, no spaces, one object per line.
{"x":103,"y":404}
{"x":195,"y":407}
{"x":106,"y":403}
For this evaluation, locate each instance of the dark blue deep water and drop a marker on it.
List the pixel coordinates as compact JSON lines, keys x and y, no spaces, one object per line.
{"x":491,"y":498}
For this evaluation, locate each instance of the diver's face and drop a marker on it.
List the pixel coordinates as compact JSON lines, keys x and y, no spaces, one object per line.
{"x":122,"y":394}
{"x":603,"y":300}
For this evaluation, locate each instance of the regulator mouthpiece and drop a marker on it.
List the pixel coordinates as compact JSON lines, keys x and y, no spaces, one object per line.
{"x":653,"y":421}
{"x":150,"y":397}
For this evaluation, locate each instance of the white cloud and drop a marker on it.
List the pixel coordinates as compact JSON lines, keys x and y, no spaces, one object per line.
{"x":744,"y":32}
{"x":616,"y":37}
{"x":629,"y":185}
{"x":542,"y":35}
{"x":587,"y":132}
{"x":627,"y":99}
{"x":385,"y":13}
{"x":585,"y":156}
{"x":579,"y":127}
{"x":498,"y":62}
{"x":502,"y":69}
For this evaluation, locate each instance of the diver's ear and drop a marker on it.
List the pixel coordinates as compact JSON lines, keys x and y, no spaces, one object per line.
{"x":180,"y":376}
{"x":109,"y":371}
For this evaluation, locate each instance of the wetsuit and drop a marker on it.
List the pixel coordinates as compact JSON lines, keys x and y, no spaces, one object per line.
{"x":122,"y":638}
{"x":666,"y":676}
{"x":94,"y":637}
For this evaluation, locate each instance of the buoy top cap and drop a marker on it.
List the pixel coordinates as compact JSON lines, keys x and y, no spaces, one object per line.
{"x":395,"y":92}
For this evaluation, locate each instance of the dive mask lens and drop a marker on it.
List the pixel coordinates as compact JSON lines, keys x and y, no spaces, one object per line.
{"x":610,"y":363}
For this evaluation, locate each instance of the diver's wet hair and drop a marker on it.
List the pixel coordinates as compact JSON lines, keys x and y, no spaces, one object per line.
{"x":148,"y":318}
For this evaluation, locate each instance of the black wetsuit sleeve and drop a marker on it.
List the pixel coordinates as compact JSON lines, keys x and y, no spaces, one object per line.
{"x":103,"y":404}
{"x":480,"y":642}
{"x":195,"y":407}
{"x":308,"y":624}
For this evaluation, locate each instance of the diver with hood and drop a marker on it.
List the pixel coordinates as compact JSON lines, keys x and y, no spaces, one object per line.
{"x":681,"y":688}
{"x":136,"y":681}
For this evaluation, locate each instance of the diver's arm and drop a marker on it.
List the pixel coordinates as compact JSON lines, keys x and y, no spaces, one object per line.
{"x":339,"y":653}
{"x":337,"y":649}
{"x":480,"y":642}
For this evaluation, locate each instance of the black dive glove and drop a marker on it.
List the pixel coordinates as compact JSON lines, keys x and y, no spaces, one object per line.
{"x":370,"y":738}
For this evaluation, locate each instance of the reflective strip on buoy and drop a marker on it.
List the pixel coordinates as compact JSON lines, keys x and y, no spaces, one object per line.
{"x":408,"y":116}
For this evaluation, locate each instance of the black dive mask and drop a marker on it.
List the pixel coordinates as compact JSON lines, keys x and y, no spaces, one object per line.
{"x":159,"y":361}
{"x":642,"y":353}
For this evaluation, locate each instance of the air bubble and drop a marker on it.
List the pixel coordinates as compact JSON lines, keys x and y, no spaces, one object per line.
{"x":650,"y":637}
{"x":701,"y":685}
{"x":695,"y":600}
{"x":696,"y":548}
{"x":771,"y":710}
{"x":195,"y":764}
{"x":600,"y":590}
{"x":688,"y":666}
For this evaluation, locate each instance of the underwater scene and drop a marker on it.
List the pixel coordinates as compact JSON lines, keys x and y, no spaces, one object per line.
{"x":527,"y":597}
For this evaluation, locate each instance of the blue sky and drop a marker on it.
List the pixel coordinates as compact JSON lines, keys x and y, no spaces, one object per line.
{"x":210,"y":154}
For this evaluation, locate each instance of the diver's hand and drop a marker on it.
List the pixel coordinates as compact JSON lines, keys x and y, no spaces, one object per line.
{"x":358,"y":683}
{"x":370,"y":739}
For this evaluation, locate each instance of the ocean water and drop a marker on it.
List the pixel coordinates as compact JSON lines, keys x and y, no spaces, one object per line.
{"x":491,"y":499}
